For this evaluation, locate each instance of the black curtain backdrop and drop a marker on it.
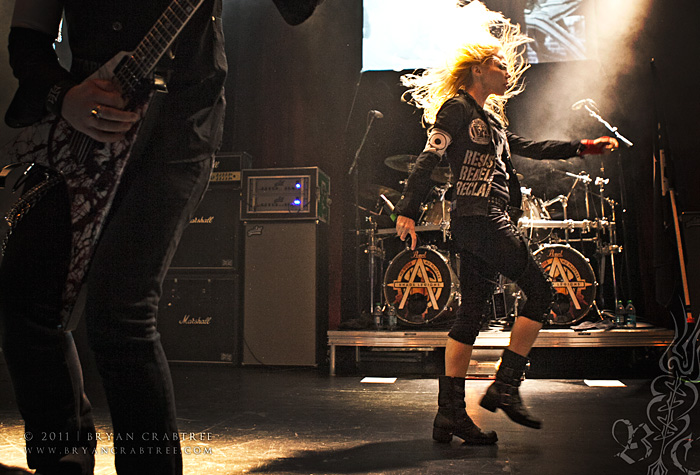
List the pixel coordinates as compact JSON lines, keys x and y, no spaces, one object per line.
{"x":296,"y":97}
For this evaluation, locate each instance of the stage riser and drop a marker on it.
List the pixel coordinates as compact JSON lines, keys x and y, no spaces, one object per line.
{"x":645,"y":336}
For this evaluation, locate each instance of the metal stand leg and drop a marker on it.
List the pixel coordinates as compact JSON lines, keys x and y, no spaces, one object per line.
{"x":375,"y":250}
{"x":332,"y":360}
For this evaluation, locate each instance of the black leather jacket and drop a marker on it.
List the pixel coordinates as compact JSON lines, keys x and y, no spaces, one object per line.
{"x":475,"y":144}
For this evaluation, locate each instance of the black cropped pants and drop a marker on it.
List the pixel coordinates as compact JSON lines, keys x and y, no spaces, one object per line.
{"x":488,"y":246}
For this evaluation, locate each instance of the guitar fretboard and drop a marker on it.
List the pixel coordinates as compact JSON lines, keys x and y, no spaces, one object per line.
{"x":130,"y":73}
{"x":156,"y":42}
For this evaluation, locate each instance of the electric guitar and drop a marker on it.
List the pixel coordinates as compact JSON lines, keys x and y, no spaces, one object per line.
{"x":90,"y":169}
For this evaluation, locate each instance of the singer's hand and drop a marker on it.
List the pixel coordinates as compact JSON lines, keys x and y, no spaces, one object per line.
{"x":601,"y":145}
{"x":406,"y":226}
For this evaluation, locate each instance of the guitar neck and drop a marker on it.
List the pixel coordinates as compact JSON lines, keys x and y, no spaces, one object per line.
{"x":159,"y":38}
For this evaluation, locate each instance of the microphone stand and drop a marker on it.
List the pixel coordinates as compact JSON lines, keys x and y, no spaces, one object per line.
{"x":355,"y":171}
{"x":612,"y":129}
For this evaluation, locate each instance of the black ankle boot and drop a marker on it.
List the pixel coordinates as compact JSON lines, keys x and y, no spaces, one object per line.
{"x":452,"y":418}
{"x":504,"y":394}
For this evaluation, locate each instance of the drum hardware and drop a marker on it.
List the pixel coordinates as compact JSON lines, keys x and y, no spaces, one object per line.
{"x":374,"y":245}
{"x":564,"y":200}
{"x":584,"y":178}
{"x":584,"y":225}
{"x":436,"y":211}
{"x":422,"y":284}
{"x":611,"y":248}
{"x":600,"y":183}
{"x":375,"y":253}
{"x":506,"y":302}
{"x":549,"y":203}
{"x":419,"y":229}
{"x":598,"y":221}
{"x":354,"y":172}
{"x":533,"y":209}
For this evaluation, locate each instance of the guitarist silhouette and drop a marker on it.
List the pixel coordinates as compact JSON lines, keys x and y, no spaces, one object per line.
{"x":114,"y":182}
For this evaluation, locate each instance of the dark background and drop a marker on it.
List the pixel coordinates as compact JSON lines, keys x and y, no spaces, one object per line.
{"x":297,"y":97}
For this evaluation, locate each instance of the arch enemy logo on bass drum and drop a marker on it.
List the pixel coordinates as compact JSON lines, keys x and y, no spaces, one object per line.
{"x":573,"y":280}
{"x":421,"y":284}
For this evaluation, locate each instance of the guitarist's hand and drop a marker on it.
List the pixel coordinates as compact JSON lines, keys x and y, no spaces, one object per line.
{"x":111,"y":121}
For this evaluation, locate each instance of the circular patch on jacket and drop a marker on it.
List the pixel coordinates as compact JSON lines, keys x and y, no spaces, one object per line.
{"x":479,"y":132}
{"x":438,"y":141}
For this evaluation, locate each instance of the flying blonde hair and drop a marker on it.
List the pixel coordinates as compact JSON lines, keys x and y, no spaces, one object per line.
{"x":482,"y":33}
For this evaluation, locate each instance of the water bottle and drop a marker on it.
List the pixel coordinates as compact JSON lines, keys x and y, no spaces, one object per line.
{"x":620,"y":314}
{"x":391,"y":317}
{"x":377,"y":315}
{"x":631,"y":314}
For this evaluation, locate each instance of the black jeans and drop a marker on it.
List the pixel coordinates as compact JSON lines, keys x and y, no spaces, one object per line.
{"x":488,"y":246}
{"x":153,"y":205}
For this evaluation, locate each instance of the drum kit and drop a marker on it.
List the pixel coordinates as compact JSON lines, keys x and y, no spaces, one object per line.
{"x":423,"y":283}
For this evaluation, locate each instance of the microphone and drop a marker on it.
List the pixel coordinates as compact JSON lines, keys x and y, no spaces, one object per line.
{"x":376,"y":114}
{"x":583,"y":102}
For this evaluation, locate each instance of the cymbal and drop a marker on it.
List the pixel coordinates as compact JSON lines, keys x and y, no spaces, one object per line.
{"x":372,"y":191}
{"x":405,"y":163}
{"x":402,"y":163}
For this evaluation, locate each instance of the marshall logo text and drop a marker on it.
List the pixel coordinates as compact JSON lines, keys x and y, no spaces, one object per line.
{"x":189,"y":320}
{"x":202,"y":220}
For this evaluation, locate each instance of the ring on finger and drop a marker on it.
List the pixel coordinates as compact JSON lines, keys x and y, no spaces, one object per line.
{"x":95,"y":112}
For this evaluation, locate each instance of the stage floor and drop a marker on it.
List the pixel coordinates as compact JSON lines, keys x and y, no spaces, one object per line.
{"x":301,"y":421}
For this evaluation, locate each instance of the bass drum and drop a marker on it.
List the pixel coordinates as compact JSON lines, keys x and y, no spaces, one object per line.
{"x":422,"y":285}
{"x":573,"y":281}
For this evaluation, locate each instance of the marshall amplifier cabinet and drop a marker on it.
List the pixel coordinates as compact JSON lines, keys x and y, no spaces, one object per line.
{"x":285,"y":194}
{"x":199,"y":317}
{"x":213,"y":239}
